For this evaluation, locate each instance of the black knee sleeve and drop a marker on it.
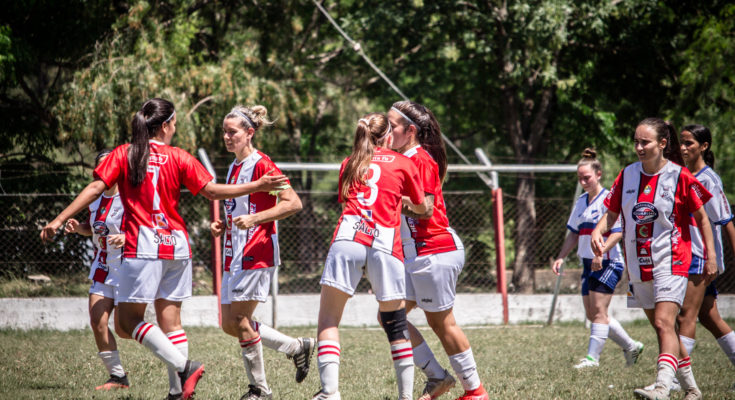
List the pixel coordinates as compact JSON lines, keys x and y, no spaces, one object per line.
{"x":395,"y":324}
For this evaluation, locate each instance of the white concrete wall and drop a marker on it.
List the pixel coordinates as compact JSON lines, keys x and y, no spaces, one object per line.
{"x":302,"y":310}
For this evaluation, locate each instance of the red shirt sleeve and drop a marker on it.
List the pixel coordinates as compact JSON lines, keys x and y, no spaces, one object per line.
{"x":268,"y":165}
{"x":429,"y":175}
{"x":615,"y":195}
{"x":413,"y":187}
{"x":695,"y":193}
{"x":193,"y":174}
{"x":112,"y":167}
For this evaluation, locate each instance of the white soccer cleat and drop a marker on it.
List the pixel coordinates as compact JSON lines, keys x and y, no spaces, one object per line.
{"x":631,"y":356}
{"x":675,"y":386}
{"x":657,"y":393}
{"x":587,"y":362}
{"x":320,"y":395}
{"x":693,"y":394}
{"x":436,"y":387}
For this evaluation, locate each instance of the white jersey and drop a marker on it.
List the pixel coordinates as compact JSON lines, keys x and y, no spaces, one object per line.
{"x":105,"y":218}
{"x":718,"y":211}
{"x":583,"y":219}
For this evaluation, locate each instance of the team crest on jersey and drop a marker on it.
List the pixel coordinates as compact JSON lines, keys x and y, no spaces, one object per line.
{"x":100,"y":228}
{"x":366,"y":214}
{"x":383,"y":158}
{"x":159,"y":221}
{"x":230,"y":205}
{"x":158,"y":158}
{"x":644,"y":213}
{"x":647,"y":189}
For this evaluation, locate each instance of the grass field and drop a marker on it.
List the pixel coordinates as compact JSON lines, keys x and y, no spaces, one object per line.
{"x":516,"y":362}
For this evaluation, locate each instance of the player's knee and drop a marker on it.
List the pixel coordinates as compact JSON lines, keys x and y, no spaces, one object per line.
{"x":395,"y":324}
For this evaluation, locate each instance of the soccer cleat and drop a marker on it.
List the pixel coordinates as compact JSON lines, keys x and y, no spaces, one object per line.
{"x":477,"y":394}
{"x":587,"y":362}
{"x":657,"y":393}
{"x":177,"y":396}
{"x":302,"y":358}
{"x":436,"y":387}
{"x":115,"y":382}
{"x":675,"y":386}
{"x":320,"y":395}
{"x":190,"y":377}
{"x":255,"y":393}
{"x":631,"y":356}
{"x":693,"y":394}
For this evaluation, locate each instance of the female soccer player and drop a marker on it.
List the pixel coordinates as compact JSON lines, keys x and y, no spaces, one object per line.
{"x":701,"y":300}
{"x":251,"y":251}
{"x":434,"y":256}
{"x":656,"y":196}
{"x":105,"y":218}
{"x":156,"y":264}
{"x":372,"y":181}
{"x":600,"y":275}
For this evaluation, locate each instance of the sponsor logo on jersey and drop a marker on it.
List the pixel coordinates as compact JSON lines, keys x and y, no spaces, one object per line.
{"x":366,"y":214}
{"x":362,"y":226}
{"x":383,"y":158}
{"x":644,"y":213}
{"x":159,"y":221}
{"x":100,"y":228}
{"x":230,"y":205}
{"x":228,"y":252}
{"x":696,"y":190}
{"x":427,"y":300}
{"x":629,"y":191}
{"x":115,"y":211}
{"x":644,"y":252}
{"x":664,"y":289}
{"x":643,"y":231}
{"x":645,"y":260}
{"x":647,"y":189}
{"x":166,"y":240}
{"x":158,"y":158}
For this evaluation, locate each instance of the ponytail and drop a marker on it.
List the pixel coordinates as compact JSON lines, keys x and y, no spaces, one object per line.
{"x":666,"y":130}
{"x":428,"y":133}
{"x":703,"y":135}
{"x":146,"y":122}
{"x":372,"y":130}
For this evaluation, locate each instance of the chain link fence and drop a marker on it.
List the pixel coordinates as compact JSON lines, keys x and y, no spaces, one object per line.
{"x":304,"y":239}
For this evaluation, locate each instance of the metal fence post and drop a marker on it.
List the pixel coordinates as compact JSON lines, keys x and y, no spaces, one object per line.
{"x":499,"y":225}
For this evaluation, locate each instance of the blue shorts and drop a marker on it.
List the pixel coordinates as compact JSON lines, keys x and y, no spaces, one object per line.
{"x":602,"y":281}
{"x":697,"y":265}
{"x":712,"y":289}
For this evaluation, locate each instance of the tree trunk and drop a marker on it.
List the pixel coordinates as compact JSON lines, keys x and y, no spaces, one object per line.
{"x":525,"y":234}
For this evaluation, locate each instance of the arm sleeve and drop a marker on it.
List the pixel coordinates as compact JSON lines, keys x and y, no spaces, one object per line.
{"x":717,"y":208}
{"x":615,"y":196}
{"x":193,"y":174}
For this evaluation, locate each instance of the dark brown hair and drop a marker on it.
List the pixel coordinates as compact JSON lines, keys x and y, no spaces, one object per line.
{"x":665,"y":130}
{"x":589,"y":157}
{"x":151,"y":116}
{"x":428,"y":133}
{"x":702,"y":135}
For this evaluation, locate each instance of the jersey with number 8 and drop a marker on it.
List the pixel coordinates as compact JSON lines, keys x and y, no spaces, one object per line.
{"x":372,"y":210}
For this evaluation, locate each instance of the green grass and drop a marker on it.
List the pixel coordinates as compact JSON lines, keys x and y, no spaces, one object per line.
{"x":517,"y":362}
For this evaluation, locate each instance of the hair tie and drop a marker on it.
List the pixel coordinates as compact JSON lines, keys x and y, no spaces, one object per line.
{"x":247,"y":119}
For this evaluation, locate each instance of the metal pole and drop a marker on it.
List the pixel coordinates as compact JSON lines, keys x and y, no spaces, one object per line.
{"x":550,"y":320}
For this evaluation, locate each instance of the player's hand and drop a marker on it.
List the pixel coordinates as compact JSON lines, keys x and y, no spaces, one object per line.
{"x":596,"y":263}
{"x":71,"y":226}
{"x":556,"y":266}
{"x":49,"y":231}
{"x":710,"y":269}
{"x":597,"y":242}
{"x":245,"y":221}
{"x":217,"y":227}
{"x":117,"y":241}
{"x":271,"y":183}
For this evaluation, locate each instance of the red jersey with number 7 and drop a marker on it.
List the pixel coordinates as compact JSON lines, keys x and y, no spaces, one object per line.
{"x":152,"y":225}
{"x":372,"y":210}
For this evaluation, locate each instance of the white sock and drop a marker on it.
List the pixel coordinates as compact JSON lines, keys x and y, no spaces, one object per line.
{"x":464,"y":366}
{"x":688,"y":343}
{"x":685,"y":375}
{"x":276,"y":340}
{"x":727,"y":344}
{"x":328,"y":360}
{"x":618,"y":335}
{"x":403,"y":363}
{"x":179,"y":340}
{"x":667,"y":365}
{"x":252,"y":356}
{"x":424,"y":358}
{"x":154,"y":340}
{"x":111,"y":359}
{"x":598,"y":336}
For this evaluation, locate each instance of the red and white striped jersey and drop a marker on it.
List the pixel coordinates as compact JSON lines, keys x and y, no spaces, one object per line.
{"x":433,"y":235}
{"x":372,"y":210}
{"x":256,"y":247}
{"x":152,"y":225}
{"x":718,"y":211}
{"x":105,"y":218}
{"x":655,"y":213}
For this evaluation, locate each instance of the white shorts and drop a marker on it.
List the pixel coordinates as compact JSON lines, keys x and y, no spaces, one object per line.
{"x":671,"y":288}
{"x":145,"y":280}
{"x":100,"y":289}
{"x":347,"y":260}
{"x":246,"y":285}
{"x":434,"y":277}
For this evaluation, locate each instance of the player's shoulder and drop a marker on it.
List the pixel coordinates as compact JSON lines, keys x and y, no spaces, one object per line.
{"x":709,"y":177}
